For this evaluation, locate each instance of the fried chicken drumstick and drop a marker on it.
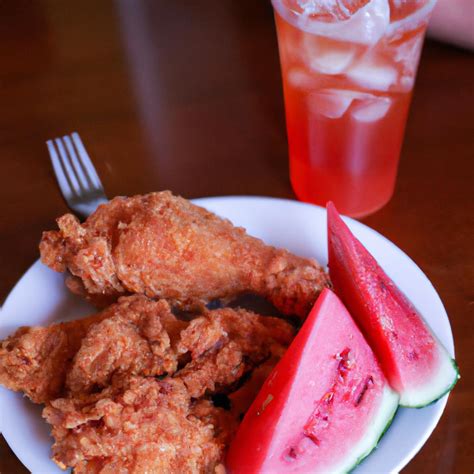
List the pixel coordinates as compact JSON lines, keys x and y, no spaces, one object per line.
{"x":165,"y":247}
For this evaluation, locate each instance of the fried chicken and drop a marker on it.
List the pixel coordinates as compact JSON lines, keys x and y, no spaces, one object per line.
{"x":34,"y":360}
{"x":163,"y":246}
{"x":138,"y":336}
{"x":135,"y":335}
{"x":108,"y":409}
{"x":225,"y":345}
{"x":140,"y":425}
{"x":144,"y":338}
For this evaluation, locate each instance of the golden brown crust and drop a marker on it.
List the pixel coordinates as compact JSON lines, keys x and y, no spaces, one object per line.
{"x":241,"y":399}
{"x":140,"y":338}
{"x":227,"y":344}
{"x":114,"y":415}
{"x":45,"y":362}
{"x":165,"y":247}
{"x":141,"y":425}
{"x":35,"y":360}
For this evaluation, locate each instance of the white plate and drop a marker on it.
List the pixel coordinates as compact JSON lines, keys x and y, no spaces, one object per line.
{"x":41,"y":298}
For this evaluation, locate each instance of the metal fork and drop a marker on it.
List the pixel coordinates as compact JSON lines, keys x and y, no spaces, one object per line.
{"x":77,"y":178}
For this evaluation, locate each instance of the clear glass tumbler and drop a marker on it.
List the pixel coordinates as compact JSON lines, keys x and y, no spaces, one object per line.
{"x":348,"y":71}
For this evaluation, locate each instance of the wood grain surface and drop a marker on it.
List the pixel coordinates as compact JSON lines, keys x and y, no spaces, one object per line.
{"x":187,"y":96}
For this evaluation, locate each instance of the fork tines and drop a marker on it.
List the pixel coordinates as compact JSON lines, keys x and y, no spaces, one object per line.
{"x":77,"y":178}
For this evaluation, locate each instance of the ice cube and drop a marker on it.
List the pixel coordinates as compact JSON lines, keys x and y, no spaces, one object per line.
{"x":311,"y":47}
{"x":408,"y":53}
{"x":329,"y":104}
{"x":326,"y":56}
{"x":333,"y":9}
{"x":366,"y":26}
{"x":332,"y":61}
{"x":371,"y":110}
{"x":367,"y":73}
{"x":333,"y":103}
{"x":351,"y":93}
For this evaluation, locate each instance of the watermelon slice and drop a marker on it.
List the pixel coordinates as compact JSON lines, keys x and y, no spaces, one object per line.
{"x":324,"y":406}
{"x":416,"y":364}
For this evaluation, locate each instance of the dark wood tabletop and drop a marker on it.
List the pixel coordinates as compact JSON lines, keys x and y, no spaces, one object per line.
{"x":187,"y":96}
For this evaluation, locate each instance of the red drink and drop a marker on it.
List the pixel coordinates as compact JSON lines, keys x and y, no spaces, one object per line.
{"x":347,"y":87}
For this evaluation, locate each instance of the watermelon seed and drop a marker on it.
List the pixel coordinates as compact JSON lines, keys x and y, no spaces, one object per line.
{"x":291,"y":455}
{"x":345,"y":364}
{"x":367,"y":383}
{"x":311,"y":436}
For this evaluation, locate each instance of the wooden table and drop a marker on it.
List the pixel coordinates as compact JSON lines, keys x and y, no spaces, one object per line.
{"x":187,"y":96}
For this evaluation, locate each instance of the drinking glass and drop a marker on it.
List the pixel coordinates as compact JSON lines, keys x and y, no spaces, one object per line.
{"x":348,"y":70}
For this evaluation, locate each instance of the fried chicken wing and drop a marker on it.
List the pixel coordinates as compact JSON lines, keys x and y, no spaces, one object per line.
{"x":165,"y":247}
{"x":135,"y":335}
{"x":142,"y":425}
{"x":34,"y":360}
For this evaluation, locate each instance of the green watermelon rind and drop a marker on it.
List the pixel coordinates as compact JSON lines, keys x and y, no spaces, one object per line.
{"x":390,"y":420}
{"x":389,"y":414}
{"x":364,"y":456}
{"x":445,"y":392}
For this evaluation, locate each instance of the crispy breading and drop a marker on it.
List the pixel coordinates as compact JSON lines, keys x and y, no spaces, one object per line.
{"x":35,"y":360}
{"x":176,"y":430}
{"x":141,"y":425}
{"x":131,"y":336}
{"x":225,"y":345}
{"x":165,"y":247}
{"x":114,"y":415}
{"x":144,"y":338}
{"x":140,"y":338}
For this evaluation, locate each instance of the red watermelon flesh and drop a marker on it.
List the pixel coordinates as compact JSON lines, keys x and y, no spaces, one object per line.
{"x":414,"y":361}
{"x":324,"y":406}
